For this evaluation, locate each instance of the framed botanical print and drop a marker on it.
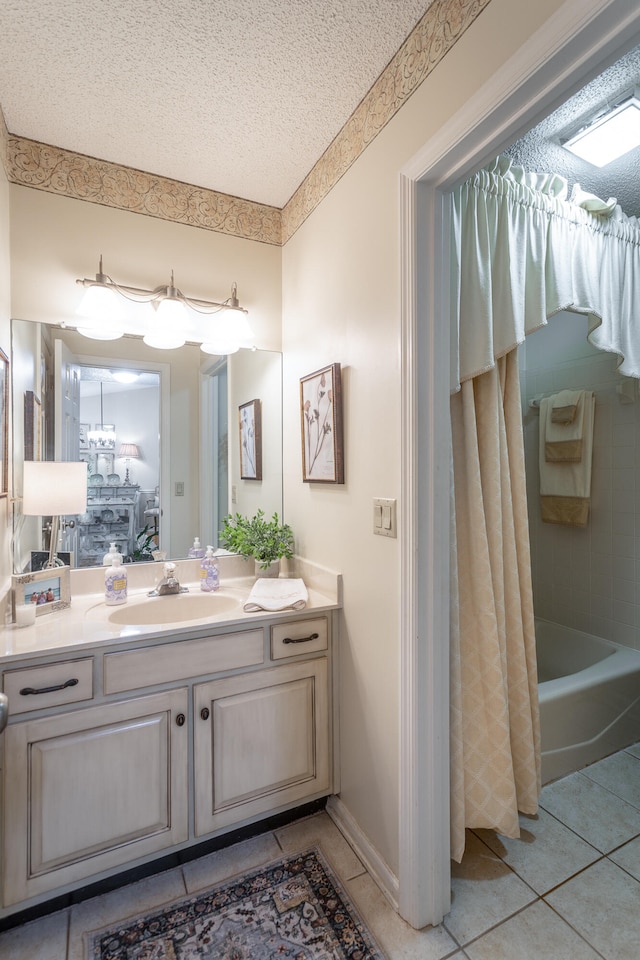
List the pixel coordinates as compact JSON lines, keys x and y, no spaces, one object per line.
{"x":250,"y":426}
{"x":321,"y":421}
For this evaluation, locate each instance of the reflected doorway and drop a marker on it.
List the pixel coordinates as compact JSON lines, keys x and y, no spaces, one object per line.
{"x":118,"y":438}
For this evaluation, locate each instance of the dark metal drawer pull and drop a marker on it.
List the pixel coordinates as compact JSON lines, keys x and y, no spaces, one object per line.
{"x":60,"y":686}
{"x":314,"y":636}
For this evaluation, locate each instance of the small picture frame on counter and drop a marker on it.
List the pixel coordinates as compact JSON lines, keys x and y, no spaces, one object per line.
{"x":48,"y":590}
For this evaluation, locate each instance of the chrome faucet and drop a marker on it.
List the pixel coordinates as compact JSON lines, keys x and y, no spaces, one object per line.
{"x":169,"y":585}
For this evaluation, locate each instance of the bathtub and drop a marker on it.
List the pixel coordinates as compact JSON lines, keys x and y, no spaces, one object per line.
{"x":589,"y":693}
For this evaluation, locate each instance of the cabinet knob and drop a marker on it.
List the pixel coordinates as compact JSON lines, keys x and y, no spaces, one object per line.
{"x":204,"y":713}
{"x":180,"y":719}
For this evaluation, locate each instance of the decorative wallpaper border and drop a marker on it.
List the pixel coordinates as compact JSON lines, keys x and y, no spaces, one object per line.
{"x":431,"y":39}
{"x":54,"y":170}
{"x":33,"y":164}
{"x":4,"y":144}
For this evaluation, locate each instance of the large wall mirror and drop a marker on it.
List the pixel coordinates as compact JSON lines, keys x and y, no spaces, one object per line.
{"x":160,"y":432}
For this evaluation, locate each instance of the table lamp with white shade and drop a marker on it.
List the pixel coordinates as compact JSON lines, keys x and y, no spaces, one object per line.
{"x":128,"y":452}
{"x":56,"y":489}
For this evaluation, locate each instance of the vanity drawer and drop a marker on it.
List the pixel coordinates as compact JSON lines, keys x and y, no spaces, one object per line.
{"x":300,"y":636}
{"x":180,"y":660}
{"x":49,"y":685}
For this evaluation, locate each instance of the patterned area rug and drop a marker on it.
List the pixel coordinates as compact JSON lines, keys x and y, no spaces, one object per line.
{"x":293,"y":909}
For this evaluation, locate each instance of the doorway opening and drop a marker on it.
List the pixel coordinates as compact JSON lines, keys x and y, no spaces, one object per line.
{"x":567,"y":52}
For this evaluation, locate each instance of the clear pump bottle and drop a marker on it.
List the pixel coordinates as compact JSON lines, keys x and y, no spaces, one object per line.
{"x":196,"y":550}
{"x":209,"y":573}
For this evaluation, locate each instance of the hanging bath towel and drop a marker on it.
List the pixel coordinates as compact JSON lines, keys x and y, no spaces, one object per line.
{"x":565,"y":486}
{"x":564,"y":406}
{"x":564,"y":438}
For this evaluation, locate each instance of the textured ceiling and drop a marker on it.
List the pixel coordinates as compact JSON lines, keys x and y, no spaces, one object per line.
{"x":539,"y":150}
{"x":240,"y":96}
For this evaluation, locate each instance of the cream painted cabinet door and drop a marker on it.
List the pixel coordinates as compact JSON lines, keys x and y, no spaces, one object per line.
{"x":261,"y":741}
{"x":90,"y":790}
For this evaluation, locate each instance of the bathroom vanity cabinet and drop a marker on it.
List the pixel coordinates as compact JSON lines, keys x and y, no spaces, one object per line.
{"x":137,"y":748}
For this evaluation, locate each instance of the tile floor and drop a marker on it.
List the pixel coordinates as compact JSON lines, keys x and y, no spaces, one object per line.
{"x":568,"y":889}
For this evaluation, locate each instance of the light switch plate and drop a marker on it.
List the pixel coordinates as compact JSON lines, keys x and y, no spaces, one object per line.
{"x":384,"y":517}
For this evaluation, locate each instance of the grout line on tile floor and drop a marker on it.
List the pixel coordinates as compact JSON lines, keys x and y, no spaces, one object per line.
{"x":494,"y":926}
{"x":575,"y":930}
{"x":562,"y":823}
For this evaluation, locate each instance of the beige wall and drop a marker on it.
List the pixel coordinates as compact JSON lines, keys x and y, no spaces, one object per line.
{"x":257,"y":376}
{"x":341,"y":303}
{"x":5,"y":312}
{"x":55,"y":240}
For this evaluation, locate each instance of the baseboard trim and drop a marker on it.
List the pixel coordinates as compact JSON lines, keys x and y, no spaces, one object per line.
{"x":377,"y":868}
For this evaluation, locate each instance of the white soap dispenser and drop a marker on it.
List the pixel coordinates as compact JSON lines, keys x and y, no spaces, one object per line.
{"x":209,"y":573}
{"x":115,"y":579}
{"x":107,"y":560}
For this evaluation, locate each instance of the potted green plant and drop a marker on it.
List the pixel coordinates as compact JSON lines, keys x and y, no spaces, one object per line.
{"x":144,"y":544}
{"x":267,"y":541}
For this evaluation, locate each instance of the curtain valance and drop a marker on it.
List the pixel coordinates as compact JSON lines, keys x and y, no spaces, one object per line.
{"x":522,"y":251}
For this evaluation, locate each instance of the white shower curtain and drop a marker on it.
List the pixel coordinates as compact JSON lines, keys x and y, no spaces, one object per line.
{"x":520,"y":252}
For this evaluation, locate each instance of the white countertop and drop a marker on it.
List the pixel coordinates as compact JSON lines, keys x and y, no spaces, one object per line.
{"x":86,"y":623}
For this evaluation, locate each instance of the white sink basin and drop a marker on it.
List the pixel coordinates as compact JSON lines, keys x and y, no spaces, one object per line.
{"x":180,"y":608}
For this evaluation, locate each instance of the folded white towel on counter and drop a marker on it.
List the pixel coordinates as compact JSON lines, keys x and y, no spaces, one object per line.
{"x":273,"y":593}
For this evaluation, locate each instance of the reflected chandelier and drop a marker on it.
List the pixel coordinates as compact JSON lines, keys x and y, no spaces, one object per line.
{"x":164,"y":317}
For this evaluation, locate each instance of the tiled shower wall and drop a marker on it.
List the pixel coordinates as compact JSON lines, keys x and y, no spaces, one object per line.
{"x":587,"y":578}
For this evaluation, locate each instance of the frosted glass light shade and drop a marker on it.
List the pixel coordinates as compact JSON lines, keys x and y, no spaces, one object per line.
{"x":227,"y":332}
{"x":165,"y":326}
{"x":99,"y":303}
{"x":53,"y":488}
{"x":96,"y":331}
{"x":103,"y":314}
{"x":609,"y":137}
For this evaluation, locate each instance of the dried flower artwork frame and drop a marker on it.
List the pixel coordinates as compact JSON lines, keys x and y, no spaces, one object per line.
{"x":39,"y":582}
{"x":321,"y":423}
{"x":250,"y":429}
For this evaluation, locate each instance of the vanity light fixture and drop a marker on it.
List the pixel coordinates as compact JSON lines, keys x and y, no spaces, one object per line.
{"x":164,"y":317}
{"x":610,"y":135}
